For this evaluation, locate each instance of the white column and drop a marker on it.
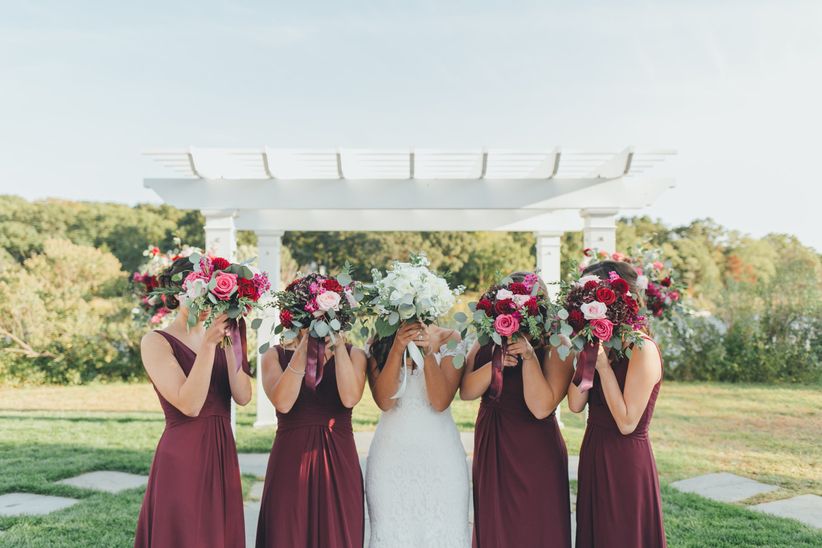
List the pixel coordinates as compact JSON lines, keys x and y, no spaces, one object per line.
{"x":221,"y":240}
{"x":269,"y":243}
{"x":548,"y":249}
{"x":599,"y":231}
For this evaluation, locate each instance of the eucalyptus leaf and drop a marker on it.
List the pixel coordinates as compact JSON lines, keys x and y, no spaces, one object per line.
{"x":566,"y":329}
{"x":279,"y":329}
{"x":497,"y":339}
{"x":321,"y":328}
{"x":256,"y":323}
{"x":554,"y":340}
{"x":264,"y":348}
{"x":344,"y":278}
{"x":562,"y":314}
{"x":563,"y":352}
{"x":460,"y":317}
{"x":479,"y":316}
{"x":335,"y":324}
{"x":451,"y":344}
{"x":178,"y":276}
{"x":195,"y":258}
{"x":297,"y":324}
{"x":393,"y":318}
{"x":459,"y":361}
{"x":472,"y":306}
{"x":235,"y":313}
{"x":290,"y":335}
{"x":246,"y":272}
{"x":364,"y":331}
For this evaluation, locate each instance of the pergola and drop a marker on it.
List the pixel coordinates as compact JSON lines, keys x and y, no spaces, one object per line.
{"x":270,"y":191}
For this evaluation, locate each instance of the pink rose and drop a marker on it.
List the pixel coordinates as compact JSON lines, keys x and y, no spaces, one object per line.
{"x":506,"y":324}
{"x":329,"y":300}
{"x":225,"y":284}
{"x":602,"y":329}
{"x":658,"y":265}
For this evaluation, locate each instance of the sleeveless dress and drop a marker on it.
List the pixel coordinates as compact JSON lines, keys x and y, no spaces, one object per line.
{"x":313,"y":493}
{"x":521,"y":495}
{"x":194,"y":497}
{"x":416,"y":479}
{"x":618,"y":501}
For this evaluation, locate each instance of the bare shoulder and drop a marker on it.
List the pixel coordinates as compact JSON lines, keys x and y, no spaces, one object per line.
{"x":359,"y":353}
{"x":443,"y":335}
{"x":153,"y":341}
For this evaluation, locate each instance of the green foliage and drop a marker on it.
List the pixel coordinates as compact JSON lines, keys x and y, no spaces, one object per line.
{"x":65,"y":317}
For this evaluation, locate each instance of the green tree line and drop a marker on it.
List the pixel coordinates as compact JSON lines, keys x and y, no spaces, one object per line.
{"x":65,"y":301}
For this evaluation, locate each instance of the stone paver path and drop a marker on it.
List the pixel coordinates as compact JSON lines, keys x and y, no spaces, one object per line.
{"x":251,"y":511}
{"x":723,"y":486}
{"x":18,"y":504}
{"x":253,"y":464}
{"x":108,"y":481}
{"x":804,"y":508}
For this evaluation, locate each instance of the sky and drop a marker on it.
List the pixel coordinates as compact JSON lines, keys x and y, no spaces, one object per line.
{"x":734,"y":87}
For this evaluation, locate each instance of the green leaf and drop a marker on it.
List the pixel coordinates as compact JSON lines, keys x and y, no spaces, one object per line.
{"x":563,"y":352}
{"x":256,"y":323}
{"x":320,"y":328}
{"x":393,"y":318}
{"x":235,"y":313}
{"x":344,"y":278}
{"x":497,"y":339}
{"x":297,"y":324}
{"x":472,"y":306}
{"x":364,"y":331}
{"x":460,"y":317}
{"x":566,"y":329}
{"x":177,"y":277}
{"x":459,"y":361}
{"x":290,"y":335}
{"x":451,"y":344}
{"x":335,"y":324}
{"x":554,"y":340}
{"x":562,"y":314}
{"x":479,"y":316}
{"x":483,"y":339}
{"x":628,"y":352}
{"x":195,"y":258}
{"x":279,"y":329}
{"x":246,"y":272}
{"x":264,"y":348}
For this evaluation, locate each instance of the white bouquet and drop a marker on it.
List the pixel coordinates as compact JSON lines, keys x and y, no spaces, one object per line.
{"x":408,"y":292}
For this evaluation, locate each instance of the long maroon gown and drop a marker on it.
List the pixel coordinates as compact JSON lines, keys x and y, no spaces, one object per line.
{"x":194,"y":497}
{"x":618,"y":501}
{"x":520,"y":470}
{"x":313,"y":493}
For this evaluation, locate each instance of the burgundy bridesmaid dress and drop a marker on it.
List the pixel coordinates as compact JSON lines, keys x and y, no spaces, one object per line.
{"x":313,"y":494}
{"x":618,"y":502}
{"x":194,"y":497}
{"x":520,"y":470}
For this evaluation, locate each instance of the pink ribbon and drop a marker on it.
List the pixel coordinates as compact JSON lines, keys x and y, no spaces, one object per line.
{"x":239,"y":343}
{"x":586,"y":366}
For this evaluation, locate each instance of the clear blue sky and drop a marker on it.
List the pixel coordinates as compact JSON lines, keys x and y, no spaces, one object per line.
{"x":736,"y":87}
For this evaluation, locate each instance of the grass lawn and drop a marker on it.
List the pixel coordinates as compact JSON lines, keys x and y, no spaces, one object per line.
{"x":766,"y":433}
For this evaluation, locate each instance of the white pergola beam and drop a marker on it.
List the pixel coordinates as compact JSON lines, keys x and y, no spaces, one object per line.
{"x":410,"y":193}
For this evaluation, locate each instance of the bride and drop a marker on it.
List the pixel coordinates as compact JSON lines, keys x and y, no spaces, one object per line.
{"x":416,"y":478}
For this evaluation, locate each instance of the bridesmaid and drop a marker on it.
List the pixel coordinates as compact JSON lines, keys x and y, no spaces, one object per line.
{"x":618,"y":502}
{"x":313,"y":493}
{"x":520,"y":469}
{"x":194,"y":496}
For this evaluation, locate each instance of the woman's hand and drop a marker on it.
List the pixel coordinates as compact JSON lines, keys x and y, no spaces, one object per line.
{"x":522,"y":347}
{"x":603,"y":362}
{"x":408,"y":333}
{"x":217,"y":331}
{"x":509,"y":360}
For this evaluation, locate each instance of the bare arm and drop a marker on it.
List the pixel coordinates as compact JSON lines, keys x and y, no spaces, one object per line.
{"x":186,"y":393}
{"x":477,"y":377}
{"x":644,"y":371}
{"x":441,"y":381}
{"x":576,"y":400}
{"x":238,"y":380}
{"x":385,"y":383}
{"x":282,"y":382}
{"x":350,"y":373}
{"x":544,"y":384}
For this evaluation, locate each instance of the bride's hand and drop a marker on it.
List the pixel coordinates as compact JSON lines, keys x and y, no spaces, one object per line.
{"x":406,"y":334}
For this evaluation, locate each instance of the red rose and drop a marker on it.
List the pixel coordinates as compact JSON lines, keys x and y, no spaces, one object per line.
{"x":155,"y":251}
{"x":246,"y":288}
{"x":286,"y":319}
{"x":576,"y":318}
{"x":606,"y":295}
{"x":332,"y":285}
{"x":533,"y":307}
{"x":219,"y":263}
{"x":518,"y":288}
{"x":485,"y":304}
{"x":666,"y":281}
{"x":504,"y":306}
{"x":658,"y":312}
{"x":619,"y":285}
{"x":631,"y":303}
{"x":591,"y":284}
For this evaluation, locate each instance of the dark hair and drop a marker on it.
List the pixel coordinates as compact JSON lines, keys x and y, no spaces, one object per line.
{"x":380,"y":349}
{"x":626,"y":272}
{"x":181,"y":266}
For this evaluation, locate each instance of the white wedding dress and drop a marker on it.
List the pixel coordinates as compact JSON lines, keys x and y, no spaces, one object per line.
{"x":416,"y":479}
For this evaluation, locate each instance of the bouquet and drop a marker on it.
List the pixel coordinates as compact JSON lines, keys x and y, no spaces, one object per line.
{"x":408,"y":292}
{"x":220,"y":287}
{"x":508,"y":309}
{"x":594,"y":312}
{"x":325,"y":306}
{"x":656,"y":279}
{"x":152,"y":308}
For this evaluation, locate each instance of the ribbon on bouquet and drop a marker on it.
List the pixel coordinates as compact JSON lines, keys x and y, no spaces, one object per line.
{"x":314,"y":362}
{"x":586,"y":366}
{"x":416,"y":356}
{"x":239,"y":344}
{"x":497,"y":363}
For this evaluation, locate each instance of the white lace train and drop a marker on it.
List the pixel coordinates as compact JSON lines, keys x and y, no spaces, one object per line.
{"x":416,"y":478}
